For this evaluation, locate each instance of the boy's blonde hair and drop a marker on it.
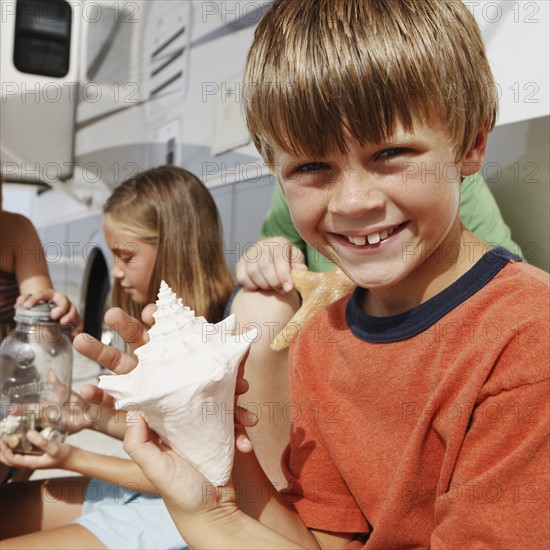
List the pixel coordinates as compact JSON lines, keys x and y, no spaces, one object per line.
{"x":320,"y":68}
{"x":172,"y":209}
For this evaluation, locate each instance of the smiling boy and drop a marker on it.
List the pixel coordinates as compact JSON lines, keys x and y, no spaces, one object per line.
{"x":423,"y":396}
{"x":393,"y":233}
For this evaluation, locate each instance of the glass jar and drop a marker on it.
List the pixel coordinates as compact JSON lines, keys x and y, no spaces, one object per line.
{"x":36,"y":361}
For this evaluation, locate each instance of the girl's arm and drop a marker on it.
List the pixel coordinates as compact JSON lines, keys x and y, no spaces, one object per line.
{"x":118,"y":471}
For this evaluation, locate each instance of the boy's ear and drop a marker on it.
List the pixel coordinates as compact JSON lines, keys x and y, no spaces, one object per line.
{"x":473,"y":159}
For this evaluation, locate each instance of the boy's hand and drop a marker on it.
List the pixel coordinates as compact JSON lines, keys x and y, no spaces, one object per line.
{"x":55,"y":454}
{"x":65,"y":311}
{"x":268,"y":264}
{"x":182,"y":486}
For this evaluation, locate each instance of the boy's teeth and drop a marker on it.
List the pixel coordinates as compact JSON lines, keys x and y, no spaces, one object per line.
{"x":374,"y":238}
{"x":359,"y":241}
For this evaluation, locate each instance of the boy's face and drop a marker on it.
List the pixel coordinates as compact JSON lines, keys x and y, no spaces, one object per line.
{"x":381,"y":209}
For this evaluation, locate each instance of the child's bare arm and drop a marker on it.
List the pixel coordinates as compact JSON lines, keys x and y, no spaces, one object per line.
{"x":112,"y":469}
{"x":33,"y":279}
{"x":29,"y":263}
{"x":207,"y":515}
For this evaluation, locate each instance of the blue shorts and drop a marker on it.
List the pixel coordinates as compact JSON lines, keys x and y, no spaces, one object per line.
{"x":126,"y":520}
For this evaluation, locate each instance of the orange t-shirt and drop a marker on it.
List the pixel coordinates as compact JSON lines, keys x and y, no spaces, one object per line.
{"x":428,"y":428}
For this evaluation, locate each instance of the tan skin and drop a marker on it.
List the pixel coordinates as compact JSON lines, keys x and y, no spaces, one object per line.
{"x":23,"y":255}
{"x":268,"y":301}
{"x":267,"y":374}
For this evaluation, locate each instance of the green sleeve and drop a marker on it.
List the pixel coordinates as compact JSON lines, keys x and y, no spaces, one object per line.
{"x":481,"y":215}
{"x":278,"y":222}
{"x":478,"y":209}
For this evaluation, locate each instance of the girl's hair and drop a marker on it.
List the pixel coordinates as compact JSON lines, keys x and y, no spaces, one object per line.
{"x":320,"y":69}
{"x":172,"y":209}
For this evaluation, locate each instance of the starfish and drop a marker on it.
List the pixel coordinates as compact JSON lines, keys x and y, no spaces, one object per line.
{"x":317,"y":290}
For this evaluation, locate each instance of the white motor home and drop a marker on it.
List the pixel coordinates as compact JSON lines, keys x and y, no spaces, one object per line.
{"x":93,"y":91}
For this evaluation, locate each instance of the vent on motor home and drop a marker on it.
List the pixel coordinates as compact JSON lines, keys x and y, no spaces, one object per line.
{"x":167,"y":63}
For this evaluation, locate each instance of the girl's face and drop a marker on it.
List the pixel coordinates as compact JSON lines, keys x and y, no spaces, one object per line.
{"x":134,"y":260}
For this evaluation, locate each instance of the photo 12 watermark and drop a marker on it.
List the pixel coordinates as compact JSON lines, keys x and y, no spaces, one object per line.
{"x":91,"y":172}
{"x":125,"y":93}
{"x":89,"y":11}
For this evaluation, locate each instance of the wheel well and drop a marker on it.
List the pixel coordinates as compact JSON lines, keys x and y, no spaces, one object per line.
{"x":97,"y":294}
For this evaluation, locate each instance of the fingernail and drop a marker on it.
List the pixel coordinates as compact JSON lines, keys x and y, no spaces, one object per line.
{"x":287,"y":287}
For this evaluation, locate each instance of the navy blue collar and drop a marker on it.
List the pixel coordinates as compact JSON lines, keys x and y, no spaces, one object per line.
{"x":410,"y":323}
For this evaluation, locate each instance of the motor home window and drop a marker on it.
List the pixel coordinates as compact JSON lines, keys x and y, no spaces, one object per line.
{"x":42,"y":37}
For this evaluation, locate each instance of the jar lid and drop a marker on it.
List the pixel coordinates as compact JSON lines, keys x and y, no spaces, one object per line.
{"x":40,"y":313}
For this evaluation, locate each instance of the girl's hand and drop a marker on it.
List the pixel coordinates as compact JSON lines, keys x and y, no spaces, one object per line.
{"x":56,"y":454}
{"x":77,"y":415}
{"x":65,"y":311}
{"x":132,"y":332}
{"x":135,"y":335}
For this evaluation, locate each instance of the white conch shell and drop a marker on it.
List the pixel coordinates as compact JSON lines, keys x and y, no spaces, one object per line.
{"x":184,"y":384}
